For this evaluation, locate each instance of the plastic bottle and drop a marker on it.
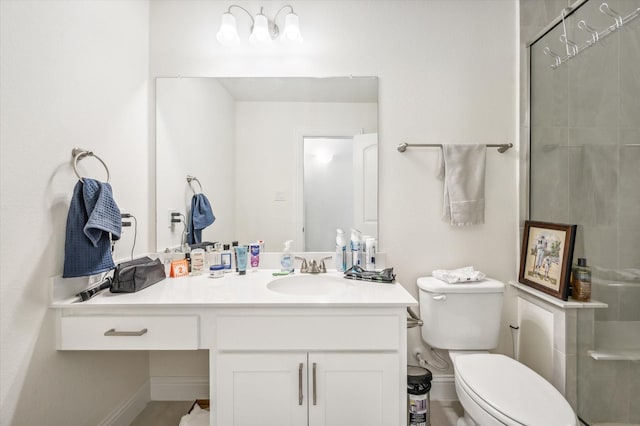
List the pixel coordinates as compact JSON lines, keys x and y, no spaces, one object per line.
{"x":356,"y":247}
{"x":234,"y":255}
{"x":341,"y":251}
{"x":286,"y":260}
{"x":226,"y":257}
{"x":254,"y":252}
{"x":370,"y":247}
{"x":197,"y":261}
{"x":581,"y":281}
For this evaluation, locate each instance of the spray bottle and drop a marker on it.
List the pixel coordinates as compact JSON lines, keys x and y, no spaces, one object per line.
{"x":356,"y":247}
{"x":341,"y":251}
{"x":370,"y":254}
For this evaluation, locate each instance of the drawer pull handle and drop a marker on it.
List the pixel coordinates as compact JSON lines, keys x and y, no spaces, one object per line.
{"x":315,"y":395}
{"x":113,"y":332}
{"x":300,"y":384}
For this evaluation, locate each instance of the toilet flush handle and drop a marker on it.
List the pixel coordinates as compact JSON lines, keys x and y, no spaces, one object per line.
{"x":440,"y":297}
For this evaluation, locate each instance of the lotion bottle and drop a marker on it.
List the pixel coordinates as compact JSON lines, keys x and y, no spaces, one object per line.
{"x":286,"y":260}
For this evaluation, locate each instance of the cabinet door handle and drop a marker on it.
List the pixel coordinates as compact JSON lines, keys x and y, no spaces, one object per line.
{"x":315,"y":394}
{"x":300,"y":396}
{"x":113,"y":332}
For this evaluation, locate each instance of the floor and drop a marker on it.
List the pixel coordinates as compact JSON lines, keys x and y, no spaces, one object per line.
{"x":169,"y":413}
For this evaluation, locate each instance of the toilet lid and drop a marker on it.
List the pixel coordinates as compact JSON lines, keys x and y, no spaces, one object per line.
{"x":512,"y":390}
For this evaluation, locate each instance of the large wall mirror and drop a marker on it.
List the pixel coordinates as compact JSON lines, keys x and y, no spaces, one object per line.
{"x":289,"y":158}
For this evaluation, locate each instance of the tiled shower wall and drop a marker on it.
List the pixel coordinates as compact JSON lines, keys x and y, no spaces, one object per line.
{"x":585,"y":169}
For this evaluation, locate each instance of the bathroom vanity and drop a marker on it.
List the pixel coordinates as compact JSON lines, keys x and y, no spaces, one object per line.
{"x":296,"y":350}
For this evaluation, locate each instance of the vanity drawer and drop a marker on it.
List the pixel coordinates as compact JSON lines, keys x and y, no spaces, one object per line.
{"x":128,"y":332}
{"x":308,"y":332}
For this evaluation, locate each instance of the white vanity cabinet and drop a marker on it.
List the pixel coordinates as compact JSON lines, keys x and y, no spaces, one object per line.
{"x":316,"y":367}
{"x":330,"y":360}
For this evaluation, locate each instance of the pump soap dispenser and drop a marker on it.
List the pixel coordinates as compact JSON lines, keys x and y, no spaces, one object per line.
{"x":286,"y":260}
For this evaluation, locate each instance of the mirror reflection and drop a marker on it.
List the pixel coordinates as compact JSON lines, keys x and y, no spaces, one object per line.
{"x":279,"y":159}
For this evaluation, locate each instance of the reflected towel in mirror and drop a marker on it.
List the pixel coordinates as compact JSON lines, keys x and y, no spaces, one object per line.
{"x":201,"y":217}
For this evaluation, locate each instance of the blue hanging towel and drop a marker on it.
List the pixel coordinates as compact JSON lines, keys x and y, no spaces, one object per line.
{"x":93,"y":215}
{"x":201,"y":217}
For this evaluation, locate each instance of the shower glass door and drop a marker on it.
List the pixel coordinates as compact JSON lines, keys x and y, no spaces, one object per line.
{"x":585,"y":170}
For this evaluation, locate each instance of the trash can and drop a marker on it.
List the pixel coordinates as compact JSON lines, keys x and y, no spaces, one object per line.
{"x":418,"y":403}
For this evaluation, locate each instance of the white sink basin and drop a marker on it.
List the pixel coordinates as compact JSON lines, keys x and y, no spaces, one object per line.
{"x":308,"y":285}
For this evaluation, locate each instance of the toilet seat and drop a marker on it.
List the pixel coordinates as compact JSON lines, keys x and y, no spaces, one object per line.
{"x":510,"y":392}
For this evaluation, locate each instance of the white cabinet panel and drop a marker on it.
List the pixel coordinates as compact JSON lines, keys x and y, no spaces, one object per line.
{"x":261,"y":389}
{"x":307,"y":332}
{"x":354,"y":389}
{"x":107,"y":332}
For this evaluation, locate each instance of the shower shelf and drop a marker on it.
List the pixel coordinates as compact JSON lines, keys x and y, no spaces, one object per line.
{"x":615,"y":354}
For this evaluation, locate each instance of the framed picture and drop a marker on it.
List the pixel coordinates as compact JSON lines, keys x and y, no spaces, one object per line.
{"x":547,"y":253}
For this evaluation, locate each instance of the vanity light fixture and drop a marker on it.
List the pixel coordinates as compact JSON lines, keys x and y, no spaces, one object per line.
{"x":263,"y":30}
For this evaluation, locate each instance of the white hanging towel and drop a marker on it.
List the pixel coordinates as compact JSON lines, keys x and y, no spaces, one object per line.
{"x":463,"y":169}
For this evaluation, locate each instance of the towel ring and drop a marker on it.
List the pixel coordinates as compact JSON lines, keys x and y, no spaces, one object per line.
{"x":79,"y":154}
{"x":191,"y":179}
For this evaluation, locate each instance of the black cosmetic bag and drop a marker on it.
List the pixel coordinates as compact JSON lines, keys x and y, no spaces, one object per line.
{"x":137,"y":274}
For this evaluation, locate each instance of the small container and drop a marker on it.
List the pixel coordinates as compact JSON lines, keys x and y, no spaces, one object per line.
{"x":241,"y":254}
{"x":197,"y":261}
{"x":225,"y":258}
{"x":216,"y":271}
{"x":254,"y":251}
{"x":418,"y":387}
{"x":581,"y":281}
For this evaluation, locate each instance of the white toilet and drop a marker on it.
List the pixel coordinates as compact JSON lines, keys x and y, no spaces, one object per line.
{"x":493,"y":389}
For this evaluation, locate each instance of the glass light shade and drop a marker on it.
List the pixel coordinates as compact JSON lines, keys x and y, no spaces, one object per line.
{"x":291,"y":30}
{"x":228,"y":33}
{"x":260,"y":34}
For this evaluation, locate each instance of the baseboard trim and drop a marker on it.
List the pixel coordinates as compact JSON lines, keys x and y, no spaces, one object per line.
{"x":179,"y":388}
{"x":124,"y":414}
{"x":443,"y":388}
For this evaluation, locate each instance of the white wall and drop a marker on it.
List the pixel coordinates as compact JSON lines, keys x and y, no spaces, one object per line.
{"x":72,"y":73}
{"x":439,"y":82}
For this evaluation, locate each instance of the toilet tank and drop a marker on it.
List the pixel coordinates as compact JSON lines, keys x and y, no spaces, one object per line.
{"x":461,"y":316}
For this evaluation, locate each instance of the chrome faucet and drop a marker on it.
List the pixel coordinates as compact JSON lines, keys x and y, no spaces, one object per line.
{"x":313,"y":267}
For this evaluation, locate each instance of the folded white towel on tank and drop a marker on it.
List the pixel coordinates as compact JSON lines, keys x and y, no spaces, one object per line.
{"x":461,"y":275}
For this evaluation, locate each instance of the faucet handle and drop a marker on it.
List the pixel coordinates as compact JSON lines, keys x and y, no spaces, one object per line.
{"x":303,"y":266}
{"x":323,"y":268}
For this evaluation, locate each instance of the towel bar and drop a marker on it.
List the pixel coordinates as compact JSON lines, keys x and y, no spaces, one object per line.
{"x":79,"y":154}
{"x":502,"y":147}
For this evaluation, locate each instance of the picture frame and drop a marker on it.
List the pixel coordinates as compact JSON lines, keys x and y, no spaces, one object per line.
{"x":547,"y":253}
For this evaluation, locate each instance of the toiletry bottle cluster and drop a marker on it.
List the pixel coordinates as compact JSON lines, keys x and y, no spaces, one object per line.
{"x":218,"y":259}
{"x":362,"y":251}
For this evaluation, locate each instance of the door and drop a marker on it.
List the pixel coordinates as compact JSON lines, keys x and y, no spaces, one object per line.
{"x":266,"y":389}
{"x":365,"y":183}
{"x":347,"y":389}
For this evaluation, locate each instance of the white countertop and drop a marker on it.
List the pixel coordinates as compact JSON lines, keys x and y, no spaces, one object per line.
{"x":232,"y":290}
